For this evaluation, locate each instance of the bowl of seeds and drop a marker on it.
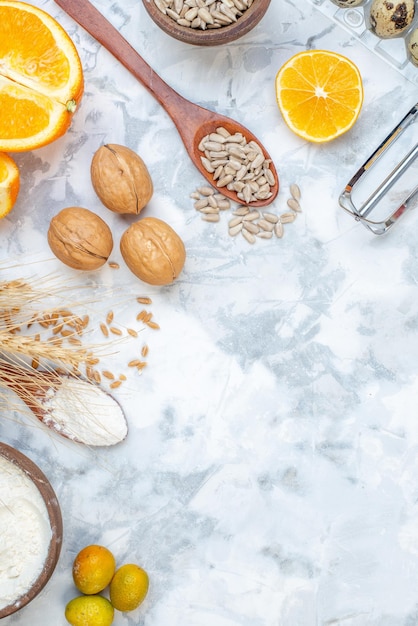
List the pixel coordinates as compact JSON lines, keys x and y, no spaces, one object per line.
{"x":206,"y":22}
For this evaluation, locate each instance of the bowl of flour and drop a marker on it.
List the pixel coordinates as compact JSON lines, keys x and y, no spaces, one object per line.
{"x":30,"y":530}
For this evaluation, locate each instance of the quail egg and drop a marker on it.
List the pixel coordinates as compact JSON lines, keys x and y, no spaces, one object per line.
{"x":412,"y":47}
{"x":345,"y":4}
{"x":390,"y":19}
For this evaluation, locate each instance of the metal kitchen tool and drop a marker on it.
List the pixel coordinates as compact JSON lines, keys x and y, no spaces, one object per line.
{"x":363,"y":212}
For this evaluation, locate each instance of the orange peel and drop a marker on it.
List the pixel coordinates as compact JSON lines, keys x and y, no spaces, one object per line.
{"x":41,"y":77}
{"x":9,"y":184}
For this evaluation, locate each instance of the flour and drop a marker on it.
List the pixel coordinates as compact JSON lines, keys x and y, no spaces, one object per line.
{"x":25,"y":532}
{"x":86,"y":413}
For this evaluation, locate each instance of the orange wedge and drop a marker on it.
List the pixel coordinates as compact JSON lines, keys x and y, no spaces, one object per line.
{"x":319,"y":94}
{"x":41,"y":77}
{"x":9,"y":184}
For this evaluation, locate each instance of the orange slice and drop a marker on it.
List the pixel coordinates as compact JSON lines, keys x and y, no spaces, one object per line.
{"x":9,"y":184}
{"x":319,"y":94}
{"x":41,"y":77}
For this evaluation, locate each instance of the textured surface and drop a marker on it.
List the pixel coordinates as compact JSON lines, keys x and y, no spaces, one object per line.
{"x":269,"y":477}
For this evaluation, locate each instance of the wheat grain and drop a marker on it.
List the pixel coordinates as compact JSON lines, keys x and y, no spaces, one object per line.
{"x":104,"y":329}
{"x":108,"y":374}
{"x":143,"y":300}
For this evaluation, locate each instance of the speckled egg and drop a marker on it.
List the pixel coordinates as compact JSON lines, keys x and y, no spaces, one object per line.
{"x":345,"y":4}
{"x":412,"y":47}
{"x":390,"y":19}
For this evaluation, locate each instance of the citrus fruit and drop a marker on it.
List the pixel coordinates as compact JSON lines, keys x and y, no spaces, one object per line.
{"x":129,"y":587}
{"x":9,"y":183}
{"x":319,"y":94}
{"x":89,"y":611}
{"x":41,"y":77}
{"x":93,"y":569}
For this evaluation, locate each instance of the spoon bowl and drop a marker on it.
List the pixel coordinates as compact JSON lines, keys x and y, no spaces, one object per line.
{"x":208,"y":126}
{"x":192,"y":121}
{"x":72,"y":407}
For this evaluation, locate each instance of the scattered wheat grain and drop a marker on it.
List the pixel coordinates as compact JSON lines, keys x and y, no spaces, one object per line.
{"x":108,"y":374}
{"x":143,"y":300}
{"x":104,"y":329}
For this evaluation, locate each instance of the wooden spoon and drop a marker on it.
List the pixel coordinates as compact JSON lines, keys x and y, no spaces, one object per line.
{"x":72,"y":407}
{"x":192,"y":121}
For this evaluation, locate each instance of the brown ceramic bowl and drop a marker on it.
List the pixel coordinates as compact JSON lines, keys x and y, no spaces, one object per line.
{"x":54,"y":513}
{"x":209,"y":37}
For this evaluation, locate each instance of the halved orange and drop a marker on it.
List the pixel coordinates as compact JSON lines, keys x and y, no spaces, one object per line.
{"x":319,"y":94}
{"x":41,"y":77}
{"x":9,"y":184}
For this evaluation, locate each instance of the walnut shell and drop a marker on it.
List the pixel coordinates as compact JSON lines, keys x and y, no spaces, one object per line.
{"x":121,"y":179}
{"x":153,"y":251}
{"x":80,"y":238}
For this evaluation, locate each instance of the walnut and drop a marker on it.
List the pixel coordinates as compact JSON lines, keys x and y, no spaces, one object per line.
{"x":80,"y":238}
{"x":121,"y":179}
{"x":153,"y":251}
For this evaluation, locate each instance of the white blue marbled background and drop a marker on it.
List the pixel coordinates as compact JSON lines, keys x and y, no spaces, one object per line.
{"x":270,"y":475}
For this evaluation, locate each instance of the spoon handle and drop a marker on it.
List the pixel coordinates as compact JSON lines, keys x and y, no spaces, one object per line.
{"x":85,"y":14}
{"x":192,"y":121}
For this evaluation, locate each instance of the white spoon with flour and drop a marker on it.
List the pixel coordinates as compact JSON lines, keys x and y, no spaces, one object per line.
{"x":73,"y":407}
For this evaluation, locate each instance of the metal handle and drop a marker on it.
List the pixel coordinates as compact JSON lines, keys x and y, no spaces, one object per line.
{"x":360,"y":214}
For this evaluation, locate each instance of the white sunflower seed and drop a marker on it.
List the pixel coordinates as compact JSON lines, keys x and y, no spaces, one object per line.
{"x":211,"y":217}
{"x":287,"y":218}
{"x":279,"y":230}
{"x":270,"y":217}
{"x":222,"y":131}
{"x":244,"y":210}
{"x":235,"y":221}
{"x":201,"y":204}
{"x":206,"y":191}
{"x":248,"y":236}
{"x":213,"y":202}
{"x":251,"y":227}
{"x":234,"y":230}
{"x":217,"y":137}
{"x":250,"y":217}
{"x":294,"y":205}
{"x":210,"y":210}
{"x":207,"y":165}
{"x":190,"y":15}
{"x":265,"y":225}
{"x":223,"y":182}
{"x":295,"y":191}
